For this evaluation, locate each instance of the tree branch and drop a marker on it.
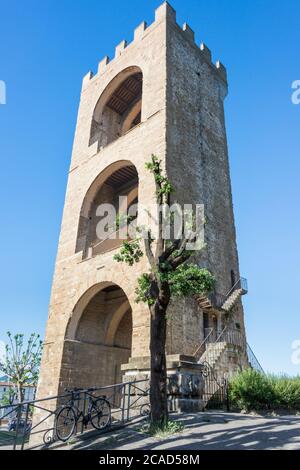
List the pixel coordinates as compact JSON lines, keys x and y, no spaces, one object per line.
{"x":149,"y":252}
{"x":169,"y":251}
{"x":183,"y":255}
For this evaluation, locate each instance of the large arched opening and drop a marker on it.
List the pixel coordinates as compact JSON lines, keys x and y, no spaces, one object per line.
{"x":98,"y":339}
{"x":115,"y":187}
{"x":119,"y":109}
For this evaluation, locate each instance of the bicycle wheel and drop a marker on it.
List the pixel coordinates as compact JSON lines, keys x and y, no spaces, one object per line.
{"x":100,"y":414}
{"x":65,"y":423}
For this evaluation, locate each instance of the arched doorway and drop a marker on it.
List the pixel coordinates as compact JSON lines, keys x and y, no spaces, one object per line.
{"x":98,"y":339}
{"x":117,"y":187}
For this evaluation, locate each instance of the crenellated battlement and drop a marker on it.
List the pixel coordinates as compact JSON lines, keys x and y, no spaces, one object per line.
{"x":164,"y":12}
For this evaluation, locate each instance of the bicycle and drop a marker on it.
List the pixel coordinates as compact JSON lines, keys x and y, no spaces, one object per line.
{"x":67,"y":416}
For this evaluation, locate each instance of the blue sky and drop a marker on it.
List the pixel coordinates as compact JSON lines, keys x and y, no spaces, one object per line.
{"x":45,"y":50}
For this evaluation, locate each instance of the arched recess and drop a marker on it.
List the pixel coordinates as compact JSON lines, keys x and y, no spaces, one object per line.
{"x":98,"y":338}
{"x":117,"y":185}
{"x":119,"y":108}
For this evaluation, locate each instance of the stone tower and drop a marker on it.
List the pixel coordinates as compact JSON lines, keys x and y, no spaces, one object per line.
{"x":160,"y":94}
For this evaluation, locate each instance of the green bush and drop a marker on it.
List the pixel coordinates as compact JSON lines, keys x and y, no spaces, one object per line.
{"x":251,"y":390}
{"x":287,"y":391}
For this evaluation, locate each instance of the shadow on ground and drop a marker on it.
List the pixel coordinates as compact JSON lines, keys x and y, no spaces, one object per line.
{"x":207,"y":431}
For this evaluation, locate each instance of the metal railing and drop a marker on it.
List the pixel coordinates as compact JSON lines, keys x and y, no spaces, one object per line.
{"x":232,"y":336}
{"x":242,"y":284}
{"x":208,"y":338}
{"x":253,"y":361}
{"x":217,"y":300}
{"x":228,"y":335}
{"x":32,"y":424}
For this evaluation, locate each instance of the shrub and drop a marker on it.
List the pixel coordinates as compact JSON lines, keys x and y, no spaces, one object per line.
{"x":251,"y":390}
{"x":287,"y":391}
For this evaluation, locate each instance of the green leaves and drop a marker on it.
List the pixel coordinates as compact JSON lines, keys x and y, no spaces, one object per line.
{"x":164,"y":186}
{"x":22,"y":361}
{"x":186,"y":280}
{"x":190,"y":279}
{"x":143,"y":291}
{"x":130,"y":253}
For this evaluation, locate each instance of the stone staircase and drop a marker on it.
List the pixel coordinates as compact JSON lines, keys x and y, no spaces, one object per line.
{"x":213,"y":353}
{"x":205,"y":303}
{"x":222,"y":352}
{"x":225,"y":303}
{"x":232,"y":300}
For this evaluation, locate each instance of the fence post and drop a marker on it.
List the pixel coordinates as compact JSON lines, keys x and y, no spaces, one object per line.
{"x":123,"y":401}
{"x":25,"y":426}
{"x":19,"y":414}
{"x":227,"y":397}
{"x":83,"y":411}
{"x":128,"y":401}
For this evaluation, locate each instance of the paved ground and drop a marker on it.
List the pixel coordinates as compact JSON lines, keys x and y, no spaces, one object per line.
{"x":207,"y":431}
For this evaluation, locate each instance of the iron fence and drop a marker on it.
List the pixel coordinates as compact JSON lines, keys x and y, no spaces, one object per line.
{"x":215,"y":393}
{"x":33,"y":424}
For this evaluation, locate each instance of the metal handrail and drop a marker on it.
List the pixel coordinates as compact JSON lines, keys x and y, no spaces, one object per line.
{"x":253,"y":361}
{"x":233,"y":336}
{"x":243,"y":283}
{"x":221,"y":334}
{"x":203,"y":342}
{"x":228,"y":334}
{"x":67,"y":394}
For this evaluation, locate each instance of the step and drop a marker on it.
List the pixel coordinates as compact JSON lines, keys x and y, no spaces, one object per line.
{"x":231,"y":301}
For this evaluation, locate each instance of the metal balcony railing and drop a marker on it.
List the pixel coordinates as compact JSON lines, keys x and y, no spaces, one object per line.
{"x":232,"y":336}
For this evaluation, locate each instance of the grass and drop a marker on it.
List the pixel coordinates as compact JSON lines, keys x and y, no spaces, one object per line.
{"x":163,"y":431}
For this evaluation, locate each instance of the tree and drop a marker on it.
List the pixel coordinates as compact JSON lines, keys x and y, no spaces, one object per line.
{"x":22,"y":361}
{"x":170,"y":275}
{"x":9,"y":397}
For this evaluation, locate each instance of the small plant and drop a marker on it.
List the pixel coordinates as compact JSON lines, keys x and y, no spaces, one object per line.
{"x":164,"y":430}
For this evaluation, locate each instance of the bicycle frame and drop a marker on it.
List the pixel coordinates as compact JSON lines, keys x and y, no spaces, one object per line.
{"x":75,"y":397}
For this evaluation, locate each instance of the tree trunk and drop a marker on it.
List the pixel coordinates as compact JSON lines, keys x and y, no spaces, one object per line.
{"x":158,"y":385}
{"x":20,"y":393}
